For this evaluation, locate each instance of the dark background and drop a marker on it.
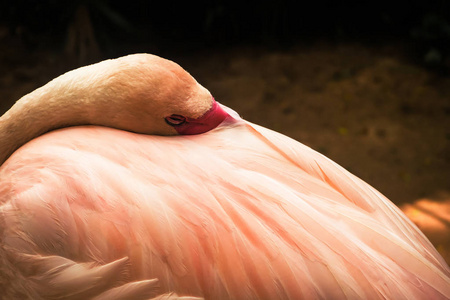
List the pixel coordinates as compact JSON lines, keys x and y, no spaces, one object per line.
{"x":184,"y":26}
{"x":364,"y":82}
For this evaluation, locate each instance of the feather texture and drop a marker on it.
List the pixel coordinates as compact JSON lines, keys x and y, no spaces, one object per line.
{"x":240,"y":212}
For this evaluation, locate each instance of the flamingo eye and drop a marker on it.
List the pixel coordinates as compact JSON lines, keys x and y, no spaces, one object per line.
{"x":175,"y":120}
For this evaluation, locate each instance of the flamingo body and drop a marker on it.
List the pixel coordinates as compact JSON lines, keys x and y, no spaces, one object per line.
{"x":239,"y":212}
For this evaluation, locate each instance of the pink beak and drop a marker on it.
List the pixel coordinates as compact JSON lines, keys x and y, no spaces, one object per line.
{"x":210,"y":120}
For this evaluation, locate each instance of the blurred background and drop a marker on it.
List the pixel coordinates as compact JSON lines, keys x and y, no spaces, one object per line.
{"x":366,"y":83}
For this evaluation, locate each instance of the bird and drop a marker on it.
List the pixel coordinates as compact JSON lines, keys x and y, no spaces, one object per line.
{"x":126,"y":179}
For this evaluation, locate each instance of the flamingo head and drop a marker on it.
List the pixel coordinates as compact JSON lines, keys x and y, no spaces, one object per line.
{"x":153,"y":95}
{"x":141,"y":93}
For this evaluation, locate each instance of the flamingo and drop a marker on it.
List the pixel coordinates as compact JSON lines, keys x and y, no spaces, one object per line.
{"x":125,"y":179}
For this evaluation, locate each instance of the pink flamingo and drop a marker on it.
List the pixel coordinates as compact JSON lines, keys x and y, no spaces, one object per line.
{"x":143,"y":206}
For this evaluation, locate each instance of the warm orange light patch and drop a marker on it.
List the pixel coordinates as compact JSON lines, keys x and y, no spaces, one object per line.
{"x":433,"y":218}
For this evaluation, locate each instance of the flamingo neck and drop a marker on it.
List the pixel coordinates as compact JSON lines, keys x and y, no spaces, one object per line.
{"x":35,"y":114}
{"x":133,"y":93}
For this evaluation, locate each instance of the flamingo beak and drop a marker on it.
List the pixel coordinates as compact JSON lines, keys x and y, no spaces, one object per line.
{"x":210,"y":120}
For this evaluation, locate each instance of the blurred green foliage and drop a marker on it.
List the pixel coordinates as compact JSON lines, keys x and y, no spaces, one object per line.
{"x":433,"y":36}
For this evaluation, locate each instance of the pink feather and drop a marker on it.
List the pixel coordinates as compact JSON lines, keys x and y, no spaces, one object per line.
{"x":240,"y":212}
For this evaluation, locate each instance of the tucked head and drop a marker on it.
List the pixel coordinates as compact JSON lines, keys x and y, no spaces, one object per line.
{"x":141,"y":93}
{"x":148,"y":94}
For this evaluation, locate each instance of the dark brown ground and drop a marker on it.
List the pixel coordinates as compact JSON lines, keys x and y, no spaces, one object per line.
{"x":381,"y":117}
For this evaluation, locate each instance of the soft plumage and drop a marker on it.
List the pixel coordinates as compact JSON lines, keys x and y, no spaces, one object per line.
{"x":138,"y":93}
{"x":239,"y":212}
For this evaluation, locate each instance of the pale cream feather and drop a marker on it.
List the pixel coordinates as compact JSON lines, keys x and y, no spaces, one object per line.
{"x":133,"y":93}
